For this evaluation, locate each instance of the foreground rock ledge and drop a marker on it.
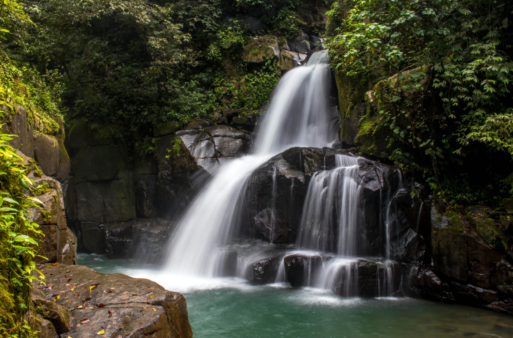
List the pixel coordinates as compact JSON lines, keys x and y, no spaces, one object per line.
{"x":119,"y":305}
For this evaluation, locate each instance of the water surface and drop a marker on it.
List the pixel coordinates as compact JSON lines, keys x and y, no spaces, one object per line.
{"x":226,"y":308}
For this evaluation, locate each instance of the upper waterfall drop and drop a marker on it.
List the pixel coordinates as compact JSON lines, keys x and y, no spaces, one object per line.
{"x":299,"y":115}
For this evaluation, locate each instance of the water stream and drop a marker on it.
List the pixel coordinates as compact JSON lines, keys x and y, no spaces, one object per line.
{"x":298,"y":116}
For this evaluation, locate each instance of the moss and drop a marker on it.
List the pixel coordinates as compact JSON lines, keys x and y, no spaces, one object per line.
{"x":255,"y":51}
{"x":47,"y":216}
{"x":455,"y":221}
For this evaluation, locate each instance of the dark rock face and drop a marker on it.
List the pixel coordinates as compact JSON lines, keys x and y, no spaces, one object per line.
{"x":211,"y":146}
{"x":107,"y":187}
{"x":116,"y":305}
{"x":144,"y":239}
{"x":300,"y":44}
{"x":470,"y":261}
{"x":275,"y":197}
{"x":350,"y":124}
{"x":301,"y":269}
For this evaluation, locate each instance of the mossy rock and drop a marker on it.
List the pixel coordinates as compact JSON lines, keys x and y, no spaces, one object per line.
{"x":260,"y":49}
{"x":165,"y":128}
{"x":486,"y":228}
{"x":508,"y":205}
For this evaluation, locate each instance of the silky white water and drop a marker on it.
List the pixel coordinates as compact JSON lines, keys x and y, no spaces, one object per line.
{"x":297,"y":116}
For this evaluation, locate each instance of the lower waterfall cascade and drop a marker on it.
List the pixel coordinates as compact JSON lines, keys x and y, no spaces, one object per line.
{"x":326,"y":253}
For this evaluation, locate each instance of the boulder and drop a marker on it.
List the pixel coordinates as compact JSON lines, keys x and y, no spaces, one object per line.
{"x":47,"y":153}
{"x":115,"y":305}
{"x":262,"y":268}
{"x":300,"y":269}
{"x":211,"y":145}
{"x":260,"y":49}
{"x":460,"y":253}
{"x":57,"y":243}
{"x":57,"y":314}
{"x":300,"y":44}
{"x":19,"y":124}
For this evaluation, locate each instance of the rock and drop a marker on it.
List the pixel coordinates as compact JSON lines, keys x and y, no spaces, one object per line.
{"x":38,"y":324}
{"x":508,"y":205}
{"x":362,"y":277}
{"x":350,"y":127}
{"x":300,"y":44}
{"x":106,"y":201}
{"x":47,"y":153}
{"x":423,"y":282}
{"x":260,"y":49}
{"x":263,"y":268}
{"x":116,"y":304}
{"x":164,"y":128}
{"x":98,"y":163}
{"x":57,"y":314}
{"x":211,"y":145}
{"x":300,"y":269}
{"x":143,"y":239}
{"x":461,"y":254}
{"x":19,"y":125}
{"x":288,"y":60}
{"x":274,"y":197}
{"x":492,"y":235}
{"x":58,"y":243}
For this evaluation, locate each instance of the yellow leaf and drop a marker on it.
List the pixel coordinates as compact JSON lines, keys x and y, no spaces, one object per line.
{"x":373,"y":50}
{"x":73,"y":289}
{"x":154,"y":310}
{"x":58,"y":297}
{"x":351,"y":58}
{"x":151,"y":296}
{"x":92,"y":287}
{"x":100,"y":332}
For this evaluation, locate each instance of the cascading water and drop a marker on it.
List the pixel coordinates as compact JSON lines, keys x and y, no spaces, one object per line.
{"x":331,"y":208}
{"x":298,"y":116}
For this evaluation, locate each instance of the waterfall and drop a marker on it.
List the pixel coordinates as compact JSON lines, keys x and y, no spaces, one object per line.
{"x":330,"y":213}
{"x":298,"y":115}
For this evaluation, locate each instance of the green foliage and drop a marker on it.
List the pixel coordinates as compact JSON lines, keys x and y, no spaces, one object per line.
{"x":452,"y":89}
{"x":17,"y":245}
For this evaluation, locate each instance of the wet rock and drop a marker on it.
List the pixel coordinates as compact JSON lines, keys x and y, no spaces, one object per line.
{"x":423,"y":282}
{"x":473,"y":295}
{"x":300,"y":44}
{"x":212,"y":145}
{"x":366,"y":278}
{"x":115,"y":305}
{"x":300,"y":269}
{"x":350,"y":124}
{"x":143,"y":239}
{"x":274,"y":195}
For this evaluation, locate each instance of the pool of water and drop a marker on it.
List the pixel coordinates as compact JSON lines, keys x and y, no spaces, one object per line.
{"x":232,"y":308}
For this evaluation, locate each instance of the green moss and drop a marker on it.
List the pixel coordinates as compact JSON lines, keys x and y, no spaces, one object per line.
{"x":255,"y":51}
{"x":177,"y":146}
{"x":455,"y":221}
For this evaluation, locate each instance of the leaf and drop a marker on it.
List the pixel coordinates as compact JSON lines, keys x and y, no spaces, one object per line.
{"x":10,"y":200}
{"x":100,"y":332}
{"x":85,"y":320}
